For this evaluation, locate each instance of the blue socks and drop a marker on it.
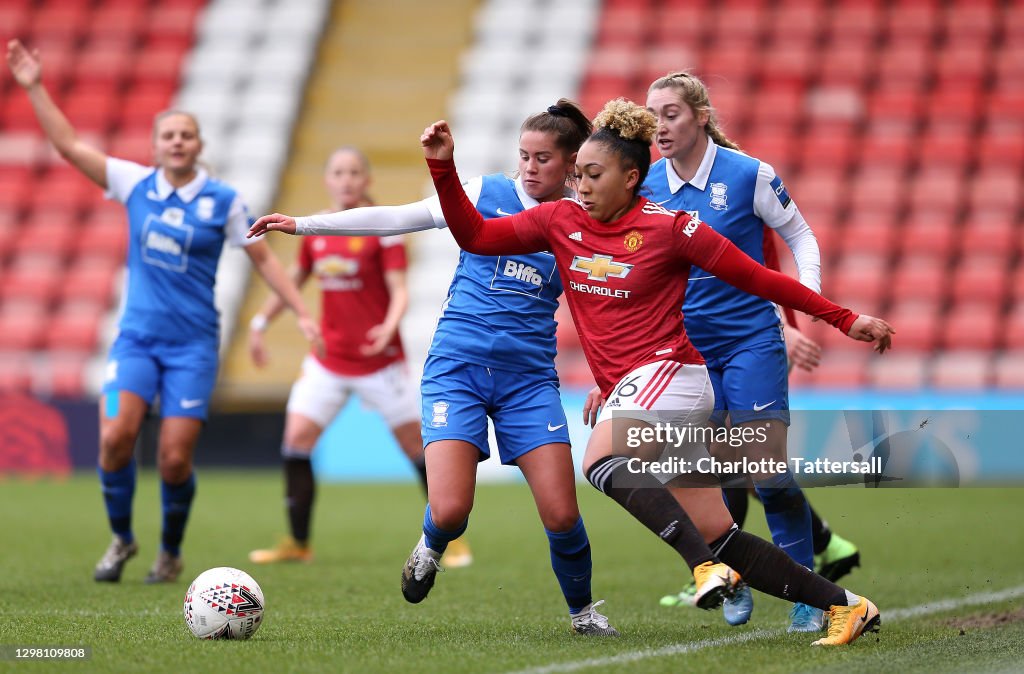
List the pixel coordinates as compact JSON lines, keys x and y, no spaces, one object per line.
{"x":570,"y":560}
{"x":437,"y":539}
{"x":177,"y":502}
{"x":118,"y":490}
{"x":789,"y":517}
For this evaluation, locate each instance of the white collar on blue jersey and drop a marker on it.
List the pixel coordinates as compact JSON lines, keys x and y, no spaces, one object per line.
{"x":186,"y":192}
{"x":700,"y":178}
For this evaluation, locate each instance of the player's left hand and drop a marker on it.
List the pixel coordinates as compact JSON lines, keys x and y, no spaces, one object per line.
{"x":275,"y":222}
{"x":311,"y":331}
{"x":437,"y":141}
{"x":379,"y":337}
{"x":870,"y":329}
{"x":803,"y":351}
{"x":592,"y":407}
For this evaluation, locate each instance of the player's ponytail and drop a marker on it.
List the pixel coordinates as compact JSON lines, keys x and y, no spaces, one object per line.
{"x":627,"y":129}
{"x":565,"y":121}
{"x":694,"y":93}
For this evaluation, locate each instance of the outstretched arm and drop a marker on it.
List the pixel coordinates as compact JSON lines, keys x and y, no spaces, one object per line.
{"x":28,"y":72}
{"x":716,"y":254}
{"x":366,"y":221}
{"x":498,"y":236}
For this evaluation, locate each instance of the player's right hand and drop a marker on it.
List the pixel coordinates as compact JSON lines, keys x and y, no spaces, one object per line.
{"x":437,"y":141}
{"x":24,"y":65}
{"x":592,"y":407}
{"x":870,"y":329}
{"x":275,"y":222}
{"x":803,"y":351}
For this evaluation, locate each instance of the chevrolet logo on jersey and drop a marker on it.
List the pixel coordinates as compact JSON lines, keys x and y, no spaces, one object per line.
{"x":335,"y":265}
{"x":600,"y":267}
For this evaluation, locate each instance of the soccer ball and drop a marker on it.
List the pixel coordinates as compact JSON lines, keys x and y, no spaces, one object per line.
{"x":224,"y":603}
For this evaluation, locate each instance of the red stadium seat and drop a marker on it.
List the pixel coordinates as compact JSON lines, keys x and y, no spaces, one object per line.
{"x":919,"y":276}
{"x":92,"y":281}
{"x":1001,"y":146}
{"x":993,"y":236}
{"x":134,"y":145}
{"x":35,"y":277}
{"x":847,"y":64}
{"x":963,"y":64}
{"x":939,"y":185}
{"x":888,"y":142}
{"x":963,"y":370}
{"x":67,"y":190}
{"x":59,"y":21}
{"x":733,"y":66}
{"x":981,"y":277}
{"x":23,"y":331}
{"x":739,"y":23}
{"x":799,"y":24}
{"x":172,"y":20}
{"x":903,"y":65}
{"x":54,"y":237}
{"x":928,"y":232}
{"x":917,"y":324}
{"x":861,"y":275}
{"x":860,"y":19}
{"x":670,"y":23}
{"x":1017,"y":283}
{"x":899,"y":370}
{"x":911,"y":21}
{"x":958,"y":103}
{"x":104,"y":236}
{"x":75,"y":326}
{"x":15,"y":187}
{"x":573,"y":370}
{"x":972,"y":325}
{"x":105,"y":61}
{"x":15,"y":371}
{"x":623,"y":26}
{"x":142,"y":104}
{"x":903,"y":106}
{"x":119,"y":21}
{"x":1005,"y":105}
{"x":91,"y":108}
{"x":842,"y":369}
{"x":14,"y":18}
{"x":1009,"y":371}
{"x":974,"y":19}
{"x":1008,"y":64}
{"x":64,"y":375}
{"x":868,"y":234}
{"x":995,"y":190}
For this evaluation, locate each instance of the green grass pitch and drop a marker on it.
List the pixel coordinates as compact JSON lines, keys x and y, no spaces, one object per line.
{"x":344,"y":612}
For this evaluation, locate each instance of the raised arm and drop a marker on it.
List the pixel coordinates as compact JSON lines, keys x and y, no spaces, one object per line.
{"x":704,"y":247}
{"x":497,"y":236}
{"x":28,"y":72}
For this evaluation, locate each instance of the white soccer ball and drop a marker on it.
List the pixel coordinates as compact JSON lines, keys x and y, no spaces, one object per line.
{"x":224,"y":603}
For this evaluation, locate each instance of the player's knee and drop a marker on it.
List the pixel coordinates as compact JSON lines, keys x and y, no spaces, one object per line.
{"x":117,"y":443}
{"x":175,"y":467}
{"x":561,"y":519}
{"x":301,"y":436}
{"x":450,"y":512}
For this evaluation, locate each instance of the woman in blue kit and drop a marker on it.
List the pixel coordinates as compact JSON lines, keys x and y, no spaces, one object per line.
{"x":492,"y":355}
{"x":740,"y":335}
{"x":179,"y":218}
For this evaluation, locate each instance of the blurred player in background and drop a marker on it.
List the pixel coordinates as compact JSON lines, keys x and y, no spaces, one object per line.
{"x":179,"y":218}
{"x":630,"y":258}
{"x":703,"y":173}
{"x":364,"y":296}
{"x":492,"y":355}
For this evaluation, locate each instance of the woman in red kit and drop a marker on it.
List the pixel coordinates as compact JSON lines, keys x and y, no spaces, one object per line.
{"x":624,"y":262}
{"x":363,"y":286}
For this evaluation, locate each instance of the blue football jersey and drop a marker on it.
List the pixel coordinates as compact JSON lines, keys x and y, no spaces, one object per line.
{"x":736,"y":195}
{"x":500,"y":309}
{"x":174,"y":244}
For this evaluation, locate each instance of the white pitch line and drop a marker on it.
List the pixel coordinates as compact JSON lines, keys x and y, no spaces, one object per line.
{"x":692,"y":646}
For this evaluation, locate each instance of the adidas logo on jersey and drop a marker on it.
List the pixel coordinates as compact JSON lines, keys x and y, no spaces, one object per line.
{"x":163,"y":244}
{"x":651,"y":208}
{"x":522,"y":272}
{"x":576,"y":236}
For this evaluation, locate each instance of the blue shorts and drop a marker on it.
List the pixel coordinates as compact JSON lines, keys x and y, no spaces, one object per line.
{"x":751,"y":383}
{"x":524,"y":406}
{"x":183,"y":373}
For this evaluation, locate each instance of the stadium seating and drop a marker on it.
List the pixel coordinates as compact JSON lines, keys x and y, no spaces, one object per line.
{"x":898,"y":128}
{"x":111,"y":65}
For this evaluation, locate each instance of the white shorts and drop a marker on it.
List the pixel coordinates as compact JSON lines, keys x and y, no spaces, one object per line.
{"x":663,"y":391}
{"x":668,"y":393}
{"x":320,"y":394}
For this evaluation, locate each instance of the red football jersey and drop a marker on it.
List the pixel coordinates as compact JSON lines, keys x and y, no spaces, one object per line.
{"x":624,"y":281}
{"x":355,"y":298}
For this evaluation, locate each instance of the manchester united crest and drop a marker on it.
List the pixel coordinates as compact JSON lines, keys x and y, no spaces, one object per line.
{"x":633,"y":241}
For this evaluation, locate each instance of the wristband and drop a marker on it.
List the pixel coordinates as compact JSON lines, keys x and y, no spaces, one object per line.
{"x":259,"y":323}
